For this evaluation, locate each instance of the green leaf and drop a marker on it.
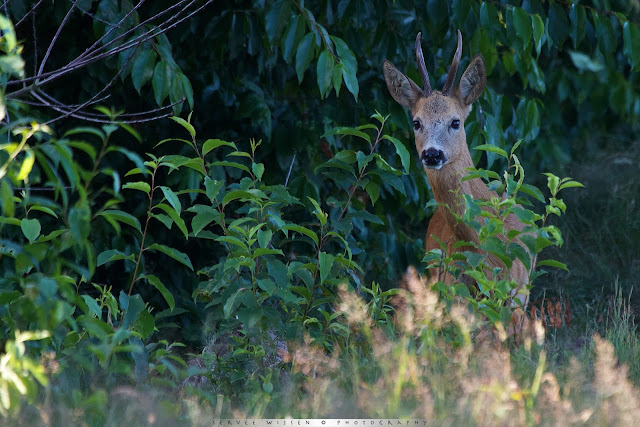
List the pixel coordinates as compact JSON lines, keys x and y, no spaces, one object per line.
{"x":584,"y":62}
{"x":351,"y":81}
{"x":175,"y":216}
{"x":139,"y":185}
{"x":632,"y":43}
{"x":157,"y":283}
{"x":185,"y":124}
{"x":302,"y":230}
{"x":401,"y":151}
{"x":212,"y":188}
{"x":243,"y":195}
{"x":570,"y":184}
{"x":173,"y":253}
{"x":264,"y":237}
{"x":239,"y":154}
{"x":373,"y":190}
{"x":232,"y":303}
{"x":231,"y":164}
{"x":30,"y":228}
{"x":492,"y":149}
{"x":258,"y":170}
{"x":143,"y":68}
{"x":187,"y":89}
{"x":322,"y":216}
{"x":522,"y":25}
{"x":85,"y":129}
{"x":204,"y":216}
{"x":349,"y":67}
{"x":92,"y":305}
{"x":324,"y":72}
{"x":134,"y":157}
{"x":135,"y":305}
{"x":559,"y":25}
{"x":177,"y":91}
{"x":538,"y":33}
{"x":363,"y":160}
{"x":164,"y":219}
{"x":266,"y":251}
{"x":607,"y":39}
{"x":489,"y":17}
{"x":325,"y":262}
{"x":277,"y":18}
{"x":337,"y":78}
{"x":292,"y":37}
{"x":6,"y":195}
{"x":232,"y":240}
{"x":552,"y":183}
{"x":366,"y":216}
{"x":279,"y":272}
{"x":347,"y":131}
{"x":172,"y":198}
{"x":304,"y":55}
{"x":578,"y":17}
{"x":124,"y":217}
{"x":437,"y":11}
{"x":212,"y":144}
{"x":79,"y":221}
{"x":161,"y":82}
{"x":83,"y":146}
{"x":112,"y":255}
{"x":267,"y":285}
{"x":553,"y":263}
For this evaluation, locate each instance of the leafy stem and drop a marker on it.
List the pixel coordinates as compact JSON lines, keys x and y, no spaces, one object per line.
{"x":144,"y":232}
{"x":362,"y":172}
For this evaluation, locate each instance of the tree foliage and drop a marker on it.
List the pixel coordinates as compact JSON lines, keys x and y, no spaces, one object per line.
{"x":235,"y":225}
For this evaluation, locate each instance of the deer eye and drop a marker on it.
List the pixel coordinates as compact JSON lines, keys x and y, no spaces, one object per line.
{"x":416,"y":124}
{"x":455,"y":124}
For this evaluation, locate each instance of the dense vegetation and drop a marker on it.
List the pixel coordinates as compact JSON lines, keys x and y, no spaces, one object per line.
{"x":245,"y":253}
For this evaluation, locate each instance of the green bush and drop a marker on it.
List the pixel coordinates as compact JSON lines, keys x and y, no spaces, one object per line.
{"x":283,"y":265}
{"x":257,"y":277}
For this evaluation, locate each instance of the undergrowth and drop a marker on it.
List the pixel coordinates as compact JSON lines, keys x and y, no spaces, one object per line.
{"x":291,"y":329}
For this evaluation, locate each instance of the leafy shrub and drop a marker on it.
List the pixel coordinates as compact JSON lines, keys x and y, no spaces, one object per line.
{"x":268,"y":249}
{"x":495,"y":294}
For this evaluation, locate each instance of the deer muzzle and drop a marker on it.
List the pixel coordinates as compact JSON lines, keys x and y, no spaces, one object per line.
{"x":432,"y":158}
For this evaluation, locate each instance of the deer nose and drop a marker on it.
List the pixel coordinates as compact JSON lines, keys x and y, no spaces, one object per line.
{"x":433,"y":157}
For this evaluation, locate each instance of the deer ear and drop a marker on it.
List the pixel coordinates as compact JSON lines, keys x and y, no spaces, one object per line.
{"x":473,"y":81}
{"x":401,"y":88}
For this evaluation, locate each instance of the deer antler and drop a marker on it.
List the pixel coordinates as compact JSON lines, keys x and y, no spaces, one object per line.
{"x":422,"y":67}
{"x":448,"y":84}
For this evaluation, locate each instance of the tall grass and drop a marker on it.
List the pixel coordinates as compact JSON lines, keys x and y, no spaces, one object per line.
{"x":426,"y":365}
{"x":432,"y":368}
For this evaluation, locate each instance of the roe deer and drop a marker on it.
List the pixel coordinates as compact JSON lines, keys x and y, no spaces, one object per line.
{"x":438,"y":123}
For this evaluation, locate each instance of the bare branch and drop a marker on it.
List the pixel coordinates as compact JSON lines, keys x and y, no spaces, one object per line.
{"x":108,"y":33}
{"x":66,"y":111}
{"x":99,"y":50}
{"x":55,"y":37}
{"x":26,"y":15}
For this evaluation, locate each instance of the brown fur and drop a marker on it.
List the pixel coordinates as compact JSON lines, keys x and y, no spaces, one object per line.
{"x":436,"y":114}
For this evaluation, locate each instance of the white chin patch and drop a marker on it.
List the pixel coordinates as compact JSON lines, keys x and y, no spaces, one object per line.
{"x":437,"y":167}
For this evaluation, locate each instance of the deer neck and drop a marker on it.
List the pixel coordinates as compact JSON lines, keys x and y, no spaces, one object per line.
{"x":449,"y":189}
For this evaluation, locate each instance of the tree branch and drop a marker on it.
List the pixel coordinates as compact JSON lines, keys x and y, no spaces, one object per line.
{"x":154,"y":26}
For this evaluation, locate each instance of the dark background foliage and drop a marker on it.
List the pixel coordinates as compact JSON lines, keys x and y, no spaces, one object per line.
{"x":562,"y":77}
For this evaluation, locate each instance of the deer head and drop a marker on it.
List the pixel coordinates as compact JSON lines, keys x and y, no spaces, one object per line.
{"x":438,"y":117}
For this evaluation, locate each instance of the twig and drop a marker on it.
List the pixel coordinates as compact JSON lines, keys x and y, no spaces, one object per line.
{"x":87,"y":58}
{"x":286,"y":182}
{"x":55,"y":38}
{"x":99,"y":50}
{"x":26,"y":15}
